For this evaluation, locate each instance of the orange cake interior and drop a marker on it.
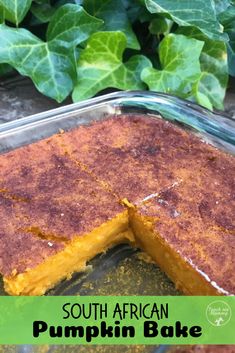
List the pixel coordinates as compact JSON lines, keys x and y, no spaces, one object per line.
{"x":133,"y":179}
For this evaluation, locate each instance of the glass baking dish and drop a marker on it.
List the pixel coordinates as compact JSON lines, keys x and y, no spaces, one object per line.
{"x":215,"y":128}
{"x":119,"y":270}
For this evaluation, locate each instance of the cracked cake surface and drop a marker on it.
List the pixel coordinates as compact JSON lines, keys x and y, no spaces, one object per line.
{"x":51,"y":193}
{"x":179,"y":194}
{"x":135,"y":153}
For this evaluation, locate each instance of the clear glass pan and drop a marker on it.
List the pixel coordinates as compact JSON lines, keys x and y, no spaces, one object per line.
{"x":122,"y":264}
{"x":217,"y":129}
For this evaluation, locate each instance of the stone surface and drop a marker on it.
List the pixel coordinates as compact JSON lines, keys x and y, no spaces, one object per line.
{"x":230,"y":103}
{"x":19,"y":98}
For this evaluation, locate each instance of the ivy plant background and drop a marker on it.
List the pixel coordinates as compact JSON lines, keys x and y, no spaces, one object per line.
{"x":81,"y":47}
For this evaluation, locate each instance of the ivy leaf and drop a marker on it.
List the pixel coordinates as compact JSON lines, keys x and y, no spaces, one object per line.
{"x":137,"y":11}
{"x":1,"y":15}
{"x":227,"y":18}
{"x":71,"y":25}
{"x":159,"y":25}
{"x":15,"y":10}
{"x":221,"y":5}
{"x":213,"y":79}
{"x":179,"y":59}
{"x":43,"y":12}
{"x":41,"y":2}
{"x":231,"y":56}
{"x":114,"y":15}
{"x":198,"y":13}
{"x":100,"y":66}
{"x":50,"y":70}
{"x":201,"y":98}
{"x":204,"y":90}
{"x":5,"y":69}
{"x":51,"y":64}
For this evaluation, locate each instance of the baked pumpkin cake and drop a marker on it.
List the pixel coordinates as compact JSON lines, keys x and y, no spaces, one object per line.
{"x":55,"y":217}
{"x":130,"y":178}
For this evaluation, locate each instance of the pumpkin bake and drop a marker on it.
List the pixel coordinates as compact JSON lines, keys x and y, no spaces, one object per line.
{"x":133,"y":179}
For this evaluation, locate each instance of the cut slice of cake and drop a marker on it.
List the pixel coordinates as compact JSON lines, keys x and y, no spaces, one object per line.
{"x":55,"y":217}
{"x":198,"y":258}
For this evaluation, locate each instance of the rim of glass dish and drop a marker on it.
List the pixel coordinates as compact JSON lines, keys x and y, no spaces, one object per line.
{"x":115,"y":97}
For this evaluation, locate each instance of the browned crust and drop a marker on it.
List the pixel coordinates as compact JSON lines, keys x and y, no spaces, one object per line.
{"x":22,"y":251}
{"x":138,"y":156}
